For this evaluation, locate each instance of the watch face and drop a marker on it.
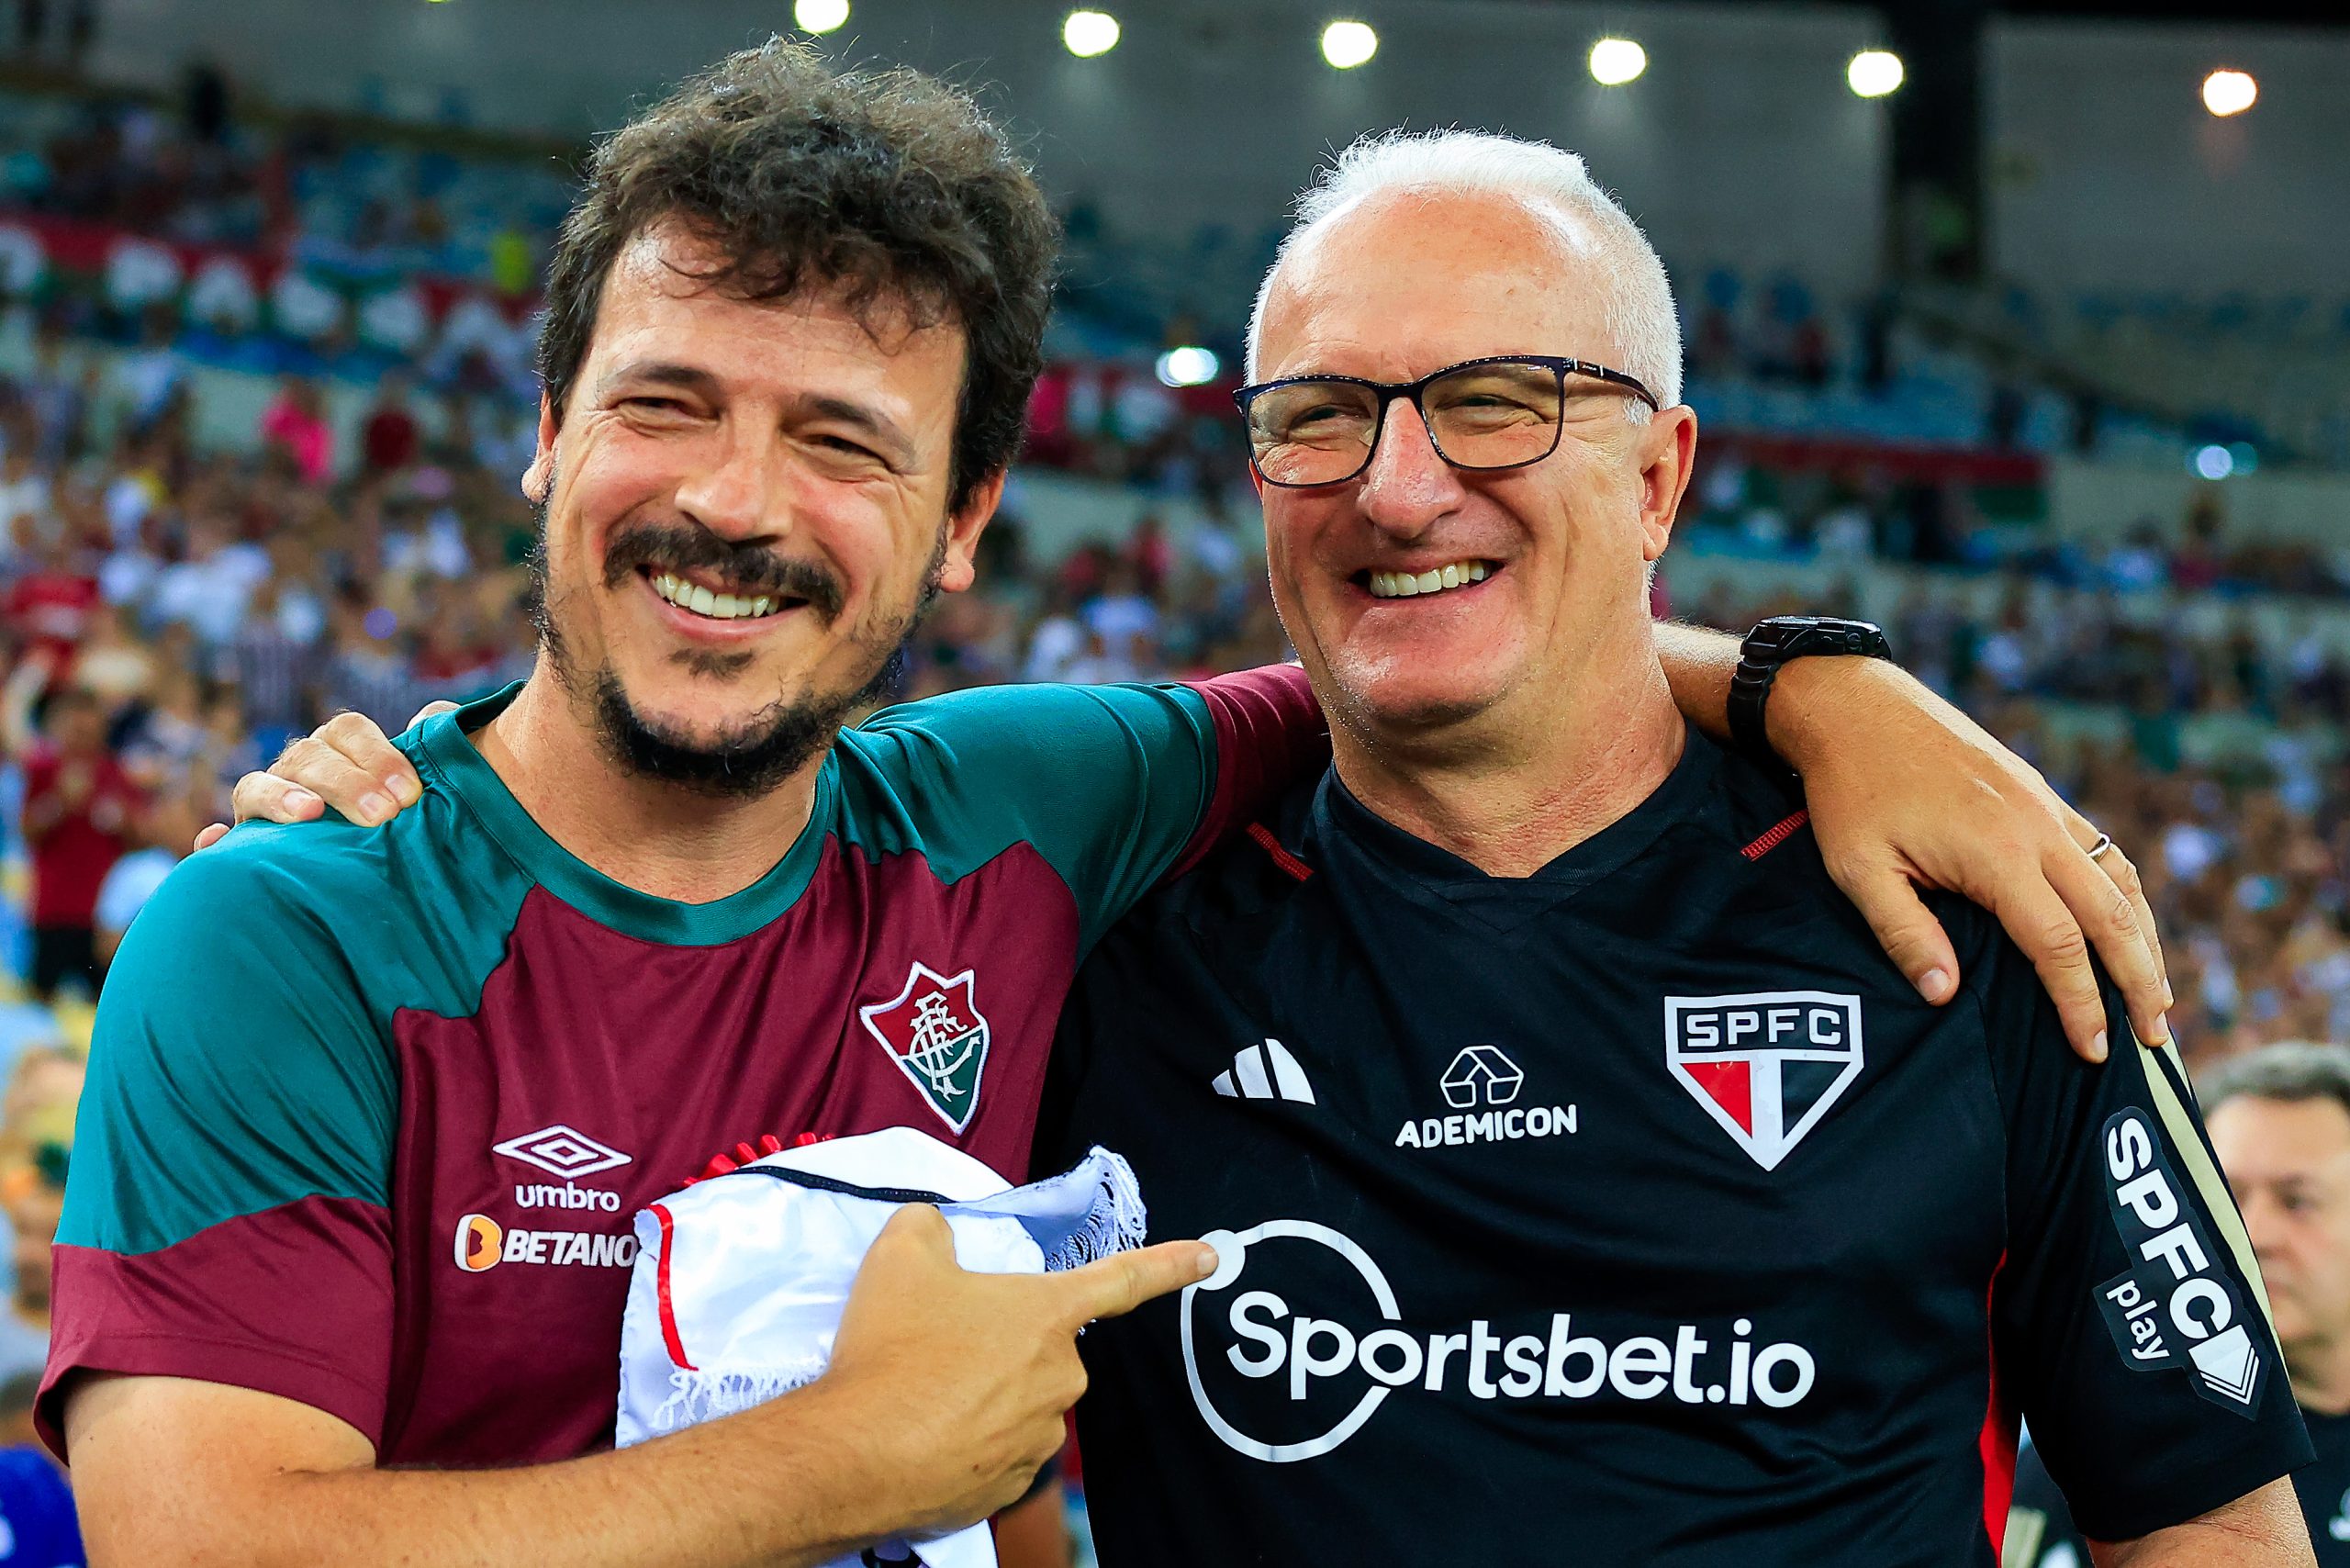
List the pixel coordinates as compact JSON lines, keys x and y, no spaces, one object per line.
{"x":1798,"y":636}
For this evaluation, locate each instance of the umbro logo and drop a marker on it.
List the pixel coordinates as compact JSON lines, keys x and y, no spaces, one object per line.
{"x":561,"y":1151}
{"x":1265,"y":1073}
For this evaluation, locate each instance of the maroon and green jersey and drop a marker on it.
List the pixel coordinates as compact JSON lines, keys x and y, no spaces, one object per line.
{"x":370,"y":1110}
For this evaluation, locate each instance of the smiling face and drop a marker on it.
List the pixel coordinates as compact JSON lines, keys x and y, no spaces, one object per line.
{"x":745,"y":507}
{"x":1535,"y":569}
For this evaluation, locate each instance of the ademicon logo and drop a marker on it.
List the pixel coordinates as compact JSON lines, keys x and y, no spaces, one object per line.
{"x":1281,"y":1385}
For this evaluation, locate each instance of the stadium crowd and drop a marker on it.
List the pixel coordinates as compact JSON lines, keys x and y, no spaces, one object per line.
{"x":173,"y":615}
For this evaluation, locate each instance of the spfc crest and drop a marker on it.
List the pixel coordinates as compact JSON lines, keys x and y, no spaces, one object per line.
{"x":1765,"y":1066}
{"x":938,"y":1038}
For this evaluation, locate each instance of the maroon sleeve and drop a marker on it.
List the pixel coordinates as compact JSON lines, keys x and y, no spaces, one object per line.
{"x":1269,"y":734}
{"x":293,"y":1301}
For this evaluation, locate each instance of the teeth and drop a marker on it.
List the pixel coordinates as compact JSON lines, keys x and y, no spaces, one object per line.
{"x":702,"y":601}
{"x":1407,"y":584}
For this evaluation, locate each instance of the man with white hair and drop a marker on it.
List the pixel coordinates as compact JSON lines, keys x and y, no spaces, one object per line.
{"x":1586,"y":1185}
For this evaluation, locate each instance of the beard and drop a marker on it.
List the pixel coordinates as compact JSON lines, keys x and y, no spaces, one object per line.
{"x":754,"y":755}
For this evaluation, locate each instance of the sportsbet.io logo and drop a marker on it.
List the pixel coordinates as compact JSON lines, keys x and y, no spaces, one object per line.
{"x":1280,"y":1383}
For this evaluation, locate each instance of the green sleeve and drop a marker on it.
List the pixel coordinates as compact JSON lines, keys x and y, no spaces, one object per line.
{"x":235,"y":1065}
{"x":1108,"y":783}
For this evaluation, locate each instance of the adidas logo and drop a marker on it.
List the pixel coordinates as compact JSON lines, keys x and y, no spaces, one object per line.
{"x":1265,"y":1073}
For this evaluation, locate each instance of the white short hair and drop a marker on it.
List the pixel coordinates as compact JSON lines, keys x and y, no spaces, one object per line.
{"x":1640,"y":315}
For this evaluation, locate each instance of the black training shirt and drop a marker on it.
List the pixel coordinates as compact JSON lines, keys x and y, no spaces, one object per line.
{"x":2041,"y":1533}
{"x":1633,"y":1211}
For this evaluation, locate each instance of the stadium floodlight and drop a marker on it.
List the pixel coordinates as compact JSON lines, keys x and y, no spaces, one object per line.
{"x":1190,"y":365}
{"x":2229,"y":91}
{"x":1874,"y":73}
{"x":1615,"y":62}
{"x":1088,"y":33}
{"x":820,"y":16}
{"x":1348,"y":44}
{"x":2214,"y":462}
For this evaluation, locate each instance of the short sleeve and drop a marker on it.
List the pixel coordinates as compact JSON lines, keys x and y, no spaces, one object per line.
{"x":225,"y":1215}
{"x":1113,"y":785}
{"x":2040,"y":1527}
{"x":2129,"y":1326}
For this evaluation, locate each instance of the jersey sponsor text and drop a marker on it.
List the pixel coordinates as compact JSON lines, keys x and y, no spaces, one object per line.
{"x":1270,"y":1340}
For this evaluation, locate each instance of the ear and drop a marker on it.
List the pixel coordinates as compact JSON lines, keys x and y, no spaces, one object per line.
{"x":956,"y":571}
{"x":538,"y":479}
{"x":1668,"y":446}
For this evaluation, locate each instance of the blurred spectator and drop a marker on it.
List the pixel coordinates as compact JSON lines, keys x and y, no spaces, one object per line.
{"x":37,"y":1522}
{"x":165,"y":830}
{"x":35,"y":1145}
{"x":369,"y":671}
{"x":50,"y":606}
{"x":391,"y":437}
{"x":295,"y":424}
{"x":79,"y":810}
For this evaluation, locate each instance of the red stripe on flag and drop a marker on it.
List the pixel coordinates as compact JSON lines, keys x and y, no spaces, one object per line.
{"x":661,"y":1279}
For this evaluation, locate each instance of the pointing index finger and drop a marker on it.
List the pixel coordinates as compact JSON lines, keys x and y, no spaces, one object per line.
{"x":1113,"y":1286}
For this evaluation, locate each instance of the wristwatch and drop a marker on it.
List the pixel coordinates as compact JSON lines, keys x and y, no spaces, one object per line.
{"x":1772,"y":644}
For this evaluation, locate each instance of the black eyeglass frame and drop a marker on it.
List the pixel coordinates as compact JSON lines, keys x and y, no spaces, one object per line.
{"x":1388,"y":391}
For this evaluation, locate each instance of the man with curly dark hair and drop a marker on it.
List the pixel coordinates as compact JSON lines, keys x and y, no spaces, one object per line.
{"x":308,"y":1306}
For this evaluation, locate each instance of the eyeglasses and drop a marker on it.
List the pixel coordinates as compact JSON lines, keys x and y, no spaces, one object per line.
{"x":1503,"y":412}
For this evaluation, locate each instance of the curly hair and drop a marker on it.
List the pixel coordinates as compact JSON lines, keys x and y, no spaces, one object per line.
{"x":892,"y":188}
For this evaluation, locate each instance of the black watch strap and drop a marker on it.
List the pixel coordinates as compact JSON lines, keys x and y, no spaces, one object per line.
{"x":1772,"y":644}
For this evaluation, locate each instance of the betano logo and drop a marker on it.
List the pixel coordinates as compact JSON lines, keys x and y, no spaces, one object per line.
{"x":1262,"y":1336}
{"x":480,"y":1240}
{"x":482,"y":1244}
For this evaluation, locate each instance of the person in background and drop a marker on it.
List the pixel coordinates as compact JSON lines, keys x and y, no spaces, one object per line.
{"x":390,"y":439}
{"x":113,"y":660}
{"x":79,"y":807}
{"x":50,"y":606}
{"x":164,"y":831}
{"x":24,"y":489}
{"x":295,"y":423}
{"x":2279,"y":1119}
{"x":36,"y":1147}
{"x":369,"y":671}
{"x":37,"y":1521}
{"x":37,"y":1527}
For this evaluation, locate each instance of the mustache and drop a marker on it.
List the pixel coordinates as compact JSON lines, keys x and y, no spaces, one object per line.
{"x":676,"y":546}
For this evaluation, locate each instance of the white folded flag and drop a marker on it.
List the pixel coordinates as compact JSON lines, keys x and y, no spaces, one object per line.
{"x":741,"y":1279}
